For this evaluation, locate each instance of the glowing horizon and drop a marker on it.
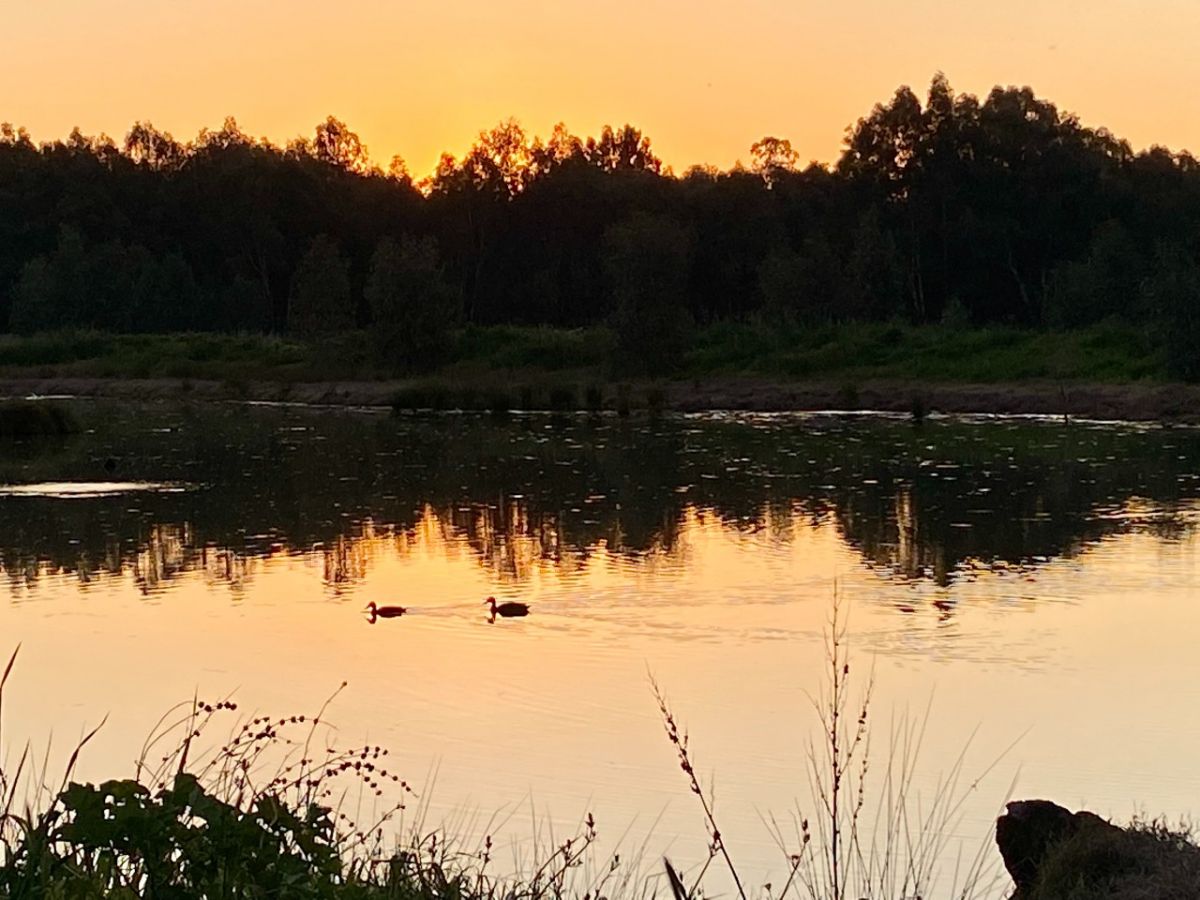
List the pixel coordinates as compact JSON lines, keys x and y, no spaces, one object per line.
{"x":702,"y":81}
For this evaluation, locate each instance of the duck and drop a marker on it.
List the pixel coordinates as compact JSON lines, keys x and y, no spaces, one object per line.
{"x":508,"y":610}
{"x":384,"y":612}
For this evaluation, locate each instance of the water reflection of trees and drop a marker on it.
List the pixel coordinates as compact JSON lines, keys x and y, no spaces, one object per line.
{"x":920,"y":502}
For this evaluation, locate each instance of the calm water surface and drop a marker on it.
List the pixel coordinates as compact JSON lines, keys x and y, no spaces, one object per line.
{"x":1035,"y":582}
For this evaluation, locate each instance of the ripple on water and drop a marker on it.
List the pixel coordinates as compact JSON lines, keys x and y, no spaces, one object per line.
{"x":72,"y":490}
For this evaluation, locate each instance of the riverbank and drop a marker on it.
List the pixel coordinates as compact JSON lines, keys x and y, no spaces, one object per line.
{"x":1148,"y":402}
{"x":1105,"y":372}
{"x":843,"y":353}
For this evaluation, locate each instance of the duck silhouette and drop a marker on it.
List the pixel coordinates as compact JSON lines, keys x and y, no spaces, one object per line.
{"x":510,"y":609}
{"x":383,"y":612}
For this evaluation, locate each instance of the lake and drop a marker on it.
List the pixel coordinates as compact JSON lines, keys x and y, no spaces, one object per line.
{"x":1029,"y":586}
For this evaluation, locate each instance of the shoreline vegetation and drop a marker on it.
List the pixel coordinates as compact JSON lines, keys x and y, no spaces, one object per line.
{"x":1104,"y":372}
{"x":956,"y":238}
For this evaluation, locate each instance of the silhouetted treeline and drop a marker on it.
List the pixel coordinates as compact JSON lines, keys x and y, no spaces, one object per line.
{"x":954,"y":209}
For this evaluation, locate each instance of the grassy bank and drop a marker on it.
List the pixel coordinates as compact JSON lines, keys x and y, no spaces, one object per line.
{"x":1107,"y":353}
{"x":274,"y":809}
{"x":1104,"y":372}
{"x":1103,"y":353}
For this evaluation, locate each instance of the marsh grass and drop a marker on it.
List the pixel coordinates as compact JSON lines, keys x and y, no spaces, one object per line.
{"x":1150,"y":859}
{"x":868,"y":833}
{"x":838,"y":353}
{"x":189,"y":355}
{"x":1107,"y":352}
{"x":271,"y":809}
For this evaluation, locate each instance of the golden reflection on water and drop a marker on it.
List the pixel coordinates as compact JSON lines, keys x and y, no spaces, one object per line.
{"x":1085,"y":645}
{"x":1091,"y":653}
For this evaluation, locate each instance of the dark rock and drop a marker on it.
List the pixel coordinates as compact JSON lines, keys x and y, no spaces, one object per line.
{"x":1025,"y":832}
{"x":1053,"y":852}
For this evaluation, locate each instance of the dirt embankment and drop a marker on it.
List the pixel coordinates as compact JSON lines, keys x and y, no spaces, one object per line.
{"x":1134,"y":402}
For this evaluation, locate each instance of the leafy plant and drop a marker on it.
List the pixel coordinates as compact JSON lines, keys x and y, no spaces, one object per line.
{"x":261,"y":815}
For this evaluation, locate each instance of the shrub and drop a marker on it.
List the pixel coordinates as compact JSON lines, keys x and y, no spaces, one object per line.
{"x":1174,"y":293}
{"x":413,"y":308}
{"x":1102,"y":861}
{"x":646,"y":260}
{"x":320,"y":300}
{"x":261,"y":816}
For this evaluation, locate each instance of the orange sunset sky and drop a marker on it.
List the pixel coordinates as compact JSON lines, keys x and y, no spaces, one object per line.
{"x":703,"y":78}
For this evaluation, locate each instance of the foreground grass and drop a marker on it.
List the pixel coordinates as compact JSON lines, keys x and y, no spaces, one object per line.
{"x":544,"y":356}
{"x":274,"y":810}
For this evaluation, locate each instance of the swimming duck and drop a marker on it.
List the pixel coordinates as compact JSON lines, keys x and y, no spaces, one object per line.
{"x":384,"y":612}
{"x":508,"y":610}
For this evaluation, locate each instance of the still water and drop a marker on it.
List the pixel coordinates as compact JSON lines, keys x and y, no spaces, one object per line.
{"x":1033,"y":584}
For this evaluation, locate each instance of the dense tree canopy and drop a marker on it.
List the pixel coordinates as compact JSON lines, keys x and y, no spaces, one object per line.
{"x":950,"y":208}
